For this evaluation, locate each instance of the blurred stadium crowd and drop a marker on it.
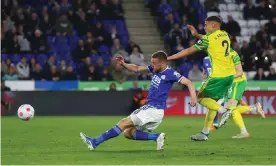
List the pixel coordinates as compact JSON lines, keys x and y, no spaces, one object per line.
{"x":251,"y":24}
{"x":78,"y":39}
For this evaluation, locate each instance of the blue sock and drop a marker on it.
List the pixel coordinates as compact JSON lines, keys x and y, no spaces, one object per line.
{"x":216,"y":119}
{"x":141,"y":135}
{"x":111,"y":133}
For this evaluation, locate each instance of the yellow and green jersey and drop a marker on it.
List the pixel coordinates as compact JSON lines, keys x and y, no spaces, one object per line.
{"x":217,"y":45}
{"x":236,"y":60}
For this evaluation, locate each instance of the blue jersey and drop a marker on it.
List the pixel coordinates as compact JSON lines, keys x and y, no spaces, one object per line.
{"x":207,"y":65}
{"x":160,"y":86}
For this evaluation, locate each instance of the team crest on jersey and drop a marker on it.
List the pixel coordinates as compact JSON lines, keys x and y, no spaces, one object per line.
{"x":163,"y":77}
{"x":199,"y":42}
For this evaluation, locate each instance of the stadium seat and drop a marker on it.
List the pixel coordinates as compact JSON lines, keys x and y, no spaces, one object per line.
{"x":52,"y":44}
{"x":212,"y":14}
{"x":103,"y":49}
{"x":241,"y":6}
{"x":224,"y":15}
{"x":245,"y":32}
{"x":73,"y":41}
{"x":94,"y":58}
{"x":4,"y":56}
{"x":41,"y":58}
{"x":254,"y":30}
{"x":50,"y":39}
{"x":242,"y":23}
{"x":65,"y":56}
{"x":185,"y":68}
{"x":108,"y":22}
{"x":246,"y":38}
{"x":120,"y":22}
{"x":273,"y":65}
{"x":74,"y":32}
{"x":106,"y":58}
{"x":222,"y":7}
{"x":250,"y":75}
{"x":263,"y":22}
{"x":63,"y":48}
{"x":124,"y":40}
{"x":253,"y":24}
{"x":61,"y":40}
{"x":229,"y":1}
{"x":232,"y":7}
{"x":236,"y":15}
{"x":28,"y":56}
{"x":15,"y":58}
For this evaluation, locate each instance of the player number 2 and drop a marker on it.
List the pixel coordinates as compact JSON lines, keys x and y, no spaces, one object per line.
{"x":225,"y":42}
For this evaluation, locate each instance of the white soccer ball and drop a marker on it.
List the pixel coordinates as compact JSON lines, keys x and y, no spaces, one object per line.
{"x":25,"y":112}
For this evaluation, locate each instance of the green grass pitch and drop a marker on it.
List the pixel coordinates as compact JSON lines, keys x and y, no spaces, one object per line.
{"x":55,"y":140}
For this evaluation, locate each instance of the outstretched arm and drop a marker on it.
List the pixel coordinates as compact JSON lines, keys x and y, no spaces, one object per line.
{"x":191,"y":87}
{"x":132,"y":67}
{"x":194,"y":32}
{"x":183,"y":53}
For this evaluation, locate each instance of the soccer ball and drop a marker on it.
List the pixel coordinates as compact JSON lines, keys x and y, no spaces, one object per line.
{"x":25,"y":112}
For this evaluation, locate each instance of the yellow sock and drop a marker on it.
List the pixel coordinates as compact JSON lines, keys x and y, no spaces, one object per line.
{"x":209,"y":118}
{"x":237,"y":118}
{"x":243,"y":109}
{"x":209,"y":103}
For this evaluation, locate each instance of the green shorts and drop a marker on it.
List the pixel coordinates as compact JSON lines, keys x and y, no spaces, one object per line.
{"x":216,"y":87}
{"x":236,"y":91}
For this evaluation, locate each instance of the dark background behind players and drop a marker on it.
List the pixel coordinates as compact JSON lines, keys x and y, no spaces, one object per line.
{"x":70,"y":31}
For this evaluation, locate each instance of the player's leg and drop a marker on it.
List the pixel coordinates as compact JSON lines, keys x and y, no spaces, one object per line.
{"x":111,"y":133}
{"x":234,"y":97}
{"x":211,"y":91}
{"x":135,"y":134}
{"x":216,"y":120}
{"x":256,"y":108}
{"x":231,"y":102}
{"x":147,"y":119}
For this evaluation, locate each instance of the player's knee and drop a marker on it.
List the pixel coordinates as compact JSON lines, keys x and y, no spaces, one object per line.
{"x":125,"y":123}
{"x":128,"y":133}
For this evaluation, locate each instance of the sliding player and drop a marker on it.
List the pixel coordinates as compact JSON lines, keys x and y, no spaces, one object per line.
{"x":149,"y":116}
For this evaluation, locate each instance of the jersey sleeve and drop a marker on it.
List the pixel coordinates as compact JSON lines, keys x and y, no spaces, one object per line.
{"x":235,"y":57}
{"x":202,"y":44}
{"x":174,"y":76}
{"x":150,"y":69}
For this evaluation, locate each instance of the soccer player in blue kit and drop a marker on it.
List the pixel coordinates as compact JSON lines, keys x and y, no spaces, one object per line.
{"x":149,"y":116}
